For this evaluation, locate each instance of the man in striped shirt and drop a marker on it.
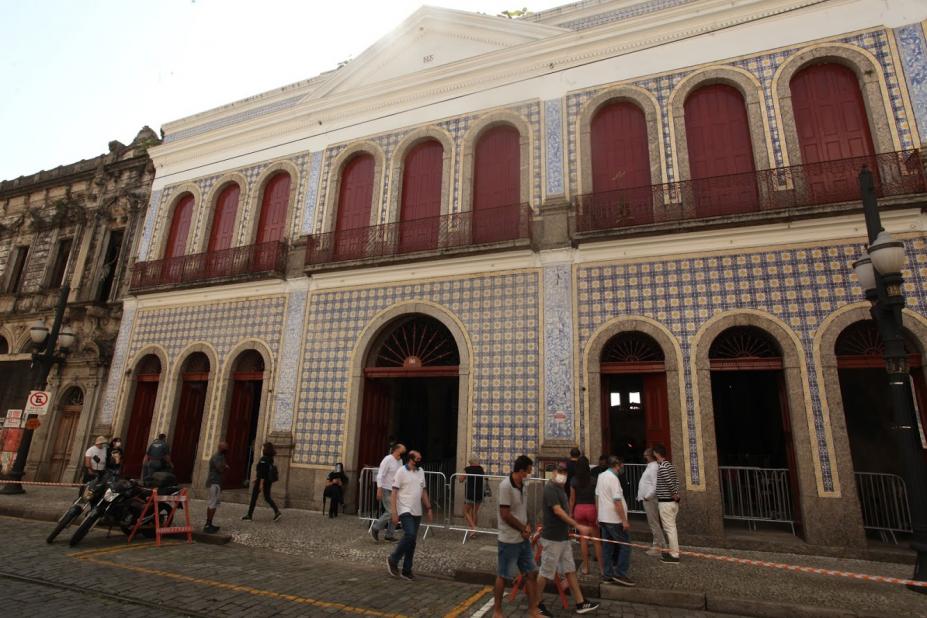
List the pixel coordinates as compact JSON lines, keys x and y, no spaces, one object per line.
{"x":668,"y":500}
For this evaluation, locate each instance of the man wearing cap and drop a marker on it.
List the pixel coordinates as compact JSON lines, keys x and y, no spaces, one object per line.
{"x":95,"y":459}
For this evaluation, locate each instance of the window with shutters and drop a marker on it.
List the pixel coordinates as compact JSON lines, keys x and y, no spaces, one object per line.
{"x":496,"y":184}
{"x":420,"y":207}
{"x":60,"y":264}
{"x":355,"y":198}
{"x":620,"y":165}
{"x":17,"y":266}
{"x":274,"y":204}
{"x":180,"y":227}
{"x":223,"y":219}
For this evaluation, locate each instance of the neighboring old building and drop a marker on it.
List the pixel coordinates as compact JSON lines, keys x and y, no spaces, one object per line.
{"x":76,"y":224}
{"x":604,"y":225}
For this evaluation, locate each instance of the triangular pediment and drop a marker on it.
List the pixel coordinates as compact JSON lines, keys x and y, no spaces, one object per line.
{"x":429,"y":38}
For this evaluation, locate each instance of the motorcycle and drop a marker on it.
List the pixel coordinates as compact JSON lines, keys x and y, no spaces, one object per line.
{"x":90,"y":495}
{"x":122,"y":505}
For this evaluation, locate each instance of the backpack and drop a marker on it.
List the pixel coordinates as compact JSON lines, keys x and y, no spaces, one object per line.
{"x":273,"y":475}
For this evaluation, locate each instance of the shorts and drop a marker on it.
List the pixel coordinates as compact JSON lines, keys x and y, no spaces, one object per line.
{"x":214,"y":492}
{"x":585,"y":515}
{"x":515,"y":555}
{"x":473,"y":501}
{"x":557,"y":557}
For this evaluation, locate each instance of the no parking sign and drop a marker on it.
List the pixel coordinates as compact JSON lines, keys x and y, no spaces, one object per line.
{"x":37,"y":402}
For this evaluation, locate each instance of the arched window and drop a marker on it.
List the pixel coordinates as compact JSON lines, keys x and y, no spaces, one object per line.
{"x":272,"y":224}
{"x":720,"y":151}
{"x":180,"y":227}
{"x":832,"y":125}
{"x":744,"y":347}
{"x":496,"y":184}
{"x":355,"y":199}
{"x":223,"y":220}
{"x":4,"y":346}
{"x":421,"y":197}
{"x":620,"y":164}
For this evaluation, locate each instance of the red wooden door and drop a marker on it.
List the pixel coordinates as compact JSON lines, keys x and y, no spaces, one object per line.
{"x":832,"y":125}
{"x":246,"y":398}
{"x":355,"y":200}
{"x":272,"y":224}
{"x":656,"y":411}
{"x":620,"y":167}
{"x":187,"y":426}
{"x":180,"y":228}
{"x":146,"y":391}
{"x":374,"y":423}
{"x":420,"y":208}
{"x":223,"y":220}
{"x":497,"y":185}
{"x":61,"y":445}
{"x":720,"y":151}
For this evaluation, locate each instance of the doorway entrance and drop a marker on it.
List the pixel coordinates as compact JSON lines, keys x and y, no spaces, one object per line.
{"x":194,"y":380}
{"x":244,"y":410}
{"x":411,"y":382}
{"x":147,"y":378}
{"x":65,"y":426}
{"x":756,"y":457}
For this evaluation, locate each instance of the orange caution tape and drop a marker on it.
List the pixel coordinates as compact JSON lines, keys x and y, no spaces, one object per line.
{"x":42,"y":484}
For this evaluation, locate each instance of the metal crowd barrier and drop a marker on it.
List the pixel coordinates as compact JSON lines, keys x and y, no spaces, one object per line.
{"x":756,"y":495}
{"x":487,"y":516}
{"x":884,"y":500}
{"x":369,"y":509}
{"x":631,"y":478}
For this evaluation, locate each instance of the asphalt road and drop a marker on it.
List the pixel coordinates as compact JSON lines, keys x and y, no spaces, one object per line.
{"x":178,"y":579}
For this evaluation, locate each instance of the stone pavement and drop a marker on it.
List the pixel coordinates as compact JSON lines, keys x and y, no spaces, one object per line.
{"x":178,"y":579}
{"x":306,"y":534}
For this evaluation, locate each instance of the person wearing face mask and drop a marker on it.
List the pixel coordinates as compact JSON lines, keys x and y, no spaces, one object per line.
{"x":557,"y":554}
{"x":115,"y":445}
{"x":334,"y":489}
{"x":217,"y":468}
{"x":408,"y":495}
{"x":614,"y":525}
{"x":266,"y":473}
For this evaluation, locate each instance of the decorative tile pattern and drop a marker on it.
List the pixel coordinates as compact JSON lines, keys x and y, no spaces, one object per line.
{"x":312,"y":193}
{"x":285,"y":391}
{"x":799,"y":286}
{"x":117,"y":366}
{"x":500,"y":315}
{"x":913,"y":48}
{"x":154,"y":205}
{"x":559,"y":418}
{"x":553,"y":142}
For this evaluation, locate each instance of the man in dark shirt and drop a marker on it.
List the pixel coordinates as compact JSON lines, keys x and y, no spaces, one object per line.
{"x":217,"y":468}
{"x":557,"y":554}
{"x":571,"y":464}
{"x":157,"y":458}
{"x":599,"y":469}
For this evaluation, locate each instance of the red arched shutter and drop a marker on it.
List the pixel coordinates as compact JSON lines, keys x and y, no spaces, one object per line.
{"x":720,"y":151}
{"x":180,"y":228}
{"x":223,"y":220}
{"x":620,"y":166}
{"x":355,"y":199}
{"x":272,"y":224}
{"x":497,"y":184}
{"x":421,"y":197}
{"x":831,"y":122}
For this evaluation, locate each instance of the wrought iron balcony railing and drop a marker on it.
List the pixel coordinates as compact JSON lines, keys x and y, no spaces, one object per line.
{"x":772,"y":190}
{"x":251,"y":261}
{"x":448,"y":232}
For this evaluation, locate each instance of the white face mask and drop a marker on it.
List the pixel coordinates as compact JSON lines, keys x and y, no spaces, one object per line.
{"x":560,"y":479}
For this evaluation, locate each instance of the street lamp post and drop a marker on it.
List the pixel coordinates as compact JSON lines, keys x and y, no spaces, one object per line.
{"x":880,"y":277}
{"x":42,"y":361}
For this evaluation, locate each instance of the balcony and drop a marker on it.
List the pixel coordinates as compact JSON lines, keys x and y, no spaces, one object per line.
{"x":453,"y":233}
{"x":799,"y":190}
{"x":238,"y":263}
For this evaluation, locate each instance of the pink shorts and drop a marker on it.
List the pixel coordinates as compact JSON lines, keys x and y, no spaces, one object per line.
{"x":585,"y":514}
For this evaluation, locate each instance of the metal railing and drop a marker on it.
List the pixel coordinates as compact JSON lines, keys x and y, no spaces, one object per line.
{"x":446,"y":232}
{"x":756,"y":495}
{"x":369,"y":508}
{"x":884,"y":501}
{"x":771,"y":190}
{"x":631,"y":477}
{"x":267,"y":258}
{"x":487,"y":517}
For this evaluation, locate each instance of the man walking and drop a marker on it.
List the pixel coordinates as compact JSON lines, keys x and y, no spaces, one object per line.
{"x":408,"y":496}
{"x":557,"y":554}
{"x":514,"y":534}
{"x":217,"y":468}
{"x":614,"y":525}
{"x":387,"y":471}
{"x":668,"y":499}
{"x":647,"y":494}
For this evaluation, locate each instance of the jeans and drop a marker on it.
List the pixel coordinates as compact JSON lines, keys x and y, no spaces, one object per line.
{"x":267,"y":498}
{"x":385,"y":520}
{"x":616,"y":558}
{"x":668,"y":512}
{"x":405,"y":549}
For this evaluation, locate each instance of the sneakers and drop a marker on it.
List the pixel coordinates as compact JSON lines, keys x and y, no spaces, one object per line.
{"x":210,"y":529}
{"x":668,"y":559}
{"x":407,"y":577}
{"x":392,"y":568}
{"x":246,"y":518}
{"x":542,"y":609}
{"x":277,"y":516}
{"x":624,"y":581}
{"x":374,"y":534}
{"x":586,"y":606}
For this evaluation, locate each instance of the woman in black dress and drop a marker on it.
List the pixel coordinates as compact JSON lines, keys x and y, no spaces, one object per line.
{"x":473,"y":494}
{"x":265,"y":477}
{"x":334,"y":489}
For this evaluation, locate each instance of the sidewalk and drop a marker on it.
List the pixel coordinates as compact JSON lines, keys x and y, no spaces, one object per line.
{"x":719,"y":584}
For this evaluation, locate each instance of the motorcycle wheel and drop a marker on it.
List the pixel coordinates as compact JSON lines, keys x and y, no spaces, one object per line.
{"x":84,"y":527}
{"x":63,"y":523}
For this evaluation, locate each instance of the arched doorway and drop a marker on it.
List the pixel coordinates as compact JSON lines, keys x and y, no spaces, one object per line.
{"x":411,"y":382}
{"x":69,"y":408}
{"x":635,"y":413}
{"x":194,"y":380}
{"x":756,"y":456}
{"x":147,"y":377}
{"x":242,"y":418}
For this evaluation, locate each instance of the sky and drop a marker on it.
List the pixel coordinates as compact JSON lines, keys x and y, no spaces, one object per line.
{"x":77,"y":74}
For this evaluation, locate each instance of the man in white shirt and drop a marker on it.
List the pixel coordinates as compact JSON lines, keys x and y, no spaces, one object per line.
{"x":95,"y":459}
{"x":387,"y":471}
{"x":408,"y":495}
{"x":614,"y":525}
{"x":647,"y":494}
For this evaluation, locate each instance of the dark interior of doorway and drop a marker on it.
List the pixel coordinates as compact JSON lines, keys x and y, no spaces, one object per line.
{"x":627,"y":426}
{"x":868,"y":406}
{"x":242,"y":431}
{"x":748,"y":419}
